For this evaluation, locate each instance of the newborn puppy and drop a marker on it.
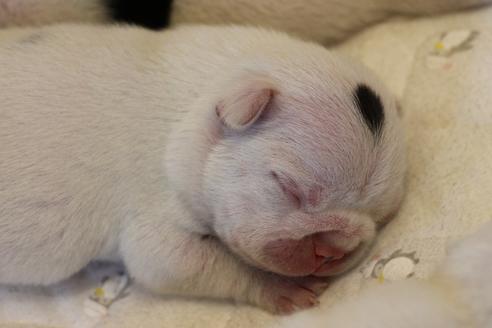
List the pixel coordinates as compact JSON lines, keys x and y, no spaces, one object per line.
{"x":459,"y":294}
{"x":325,"y":21}
{"x":204,"y":158}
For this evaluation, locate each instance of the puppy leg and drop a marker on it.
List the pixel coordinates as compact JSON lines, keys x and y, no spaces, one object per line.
{"x":170,"y":257}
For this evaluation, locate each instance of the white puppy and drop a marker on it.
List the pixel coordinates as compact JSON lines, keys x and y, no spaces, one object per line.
{"x":201,"y":157}
{"x":458,"y":295}
{"x":320,"y":20}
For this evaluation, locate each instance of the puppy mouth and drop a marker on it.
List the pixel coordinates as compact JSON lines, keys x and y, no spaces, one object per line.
{"x":333,"y":261}
{"x":332,"y":265}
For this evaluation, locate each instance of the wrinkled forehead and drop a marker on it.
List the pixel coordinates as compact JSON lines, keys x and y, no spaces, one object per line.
{"x":345,"y":113}
{"x":337,"y":91}
{"x":325,"y":162}
{"x":332,"y":133}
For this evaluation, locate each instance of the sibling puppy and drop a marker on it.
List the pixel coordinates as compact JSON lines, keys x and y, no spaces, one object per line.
{"x":319,"y":20}
{"x":458,"y":295}
{"x":204,"y":158}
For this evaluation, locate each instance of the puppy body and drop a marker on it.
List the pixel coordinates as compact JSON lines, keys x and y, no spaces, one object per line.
{"x":457,"y":295}
{"x":323,"y":21}
{"x":200,"y":157}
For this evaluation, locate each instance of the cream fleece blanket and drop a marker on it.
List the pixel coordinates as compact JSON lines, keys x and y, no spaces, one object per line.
{"x":441,"y":69}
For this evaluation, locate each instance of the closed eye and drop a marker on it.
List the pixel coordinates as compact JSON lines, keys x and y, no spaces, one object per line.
{"x":289,"y":188}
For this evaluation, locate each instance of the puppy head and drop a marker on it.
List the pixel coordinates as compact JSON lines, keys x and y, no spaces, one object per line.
{"x":305,"y":159}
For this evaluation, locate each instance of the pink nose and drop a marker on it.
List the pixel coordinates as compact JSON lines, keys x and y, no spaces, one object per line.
{"x":324,"y":248}
{"x":302,"y":256}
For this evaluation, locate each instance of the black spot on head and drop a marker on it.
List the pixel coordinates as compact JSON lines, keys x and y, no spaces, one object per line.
{"x":152,"y":14}
{"x":371,"y":108}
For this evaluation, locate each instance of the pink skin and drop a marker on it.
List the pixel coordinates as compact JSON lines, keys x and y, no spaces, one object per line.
{"x":308,"y":244}
{"x":305,"y":263}
{"x":305,"y":256}
{"x":314,"y":253}
{"x":319,"y":244}
{"x":287,"y":295}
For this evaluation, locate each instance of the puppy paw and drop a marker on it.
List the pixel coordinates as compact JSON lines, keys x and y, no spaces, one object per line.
{"x":316,"y":284}
{"x":287,"y":295}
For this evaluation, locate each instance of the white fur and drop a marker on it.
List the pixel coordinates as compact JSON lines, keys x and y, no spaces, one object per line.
{"x":320,"y":20}
{"x":113,"y":145}
{"x":458,"y":295}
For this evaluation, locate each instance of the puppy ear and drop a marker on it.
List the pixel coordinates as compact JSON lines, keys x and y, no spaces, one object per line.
{"x":245,"y":102}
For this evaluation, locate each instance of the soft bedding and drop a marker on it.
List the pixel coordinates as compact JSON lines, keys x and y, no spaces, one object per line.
{"x":441,"y":70}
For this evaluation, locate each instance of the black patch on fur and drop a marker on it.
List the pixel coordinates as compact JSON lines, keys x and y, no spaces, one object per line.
{"x":371,"y":108}
{"x":152,"y":14}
